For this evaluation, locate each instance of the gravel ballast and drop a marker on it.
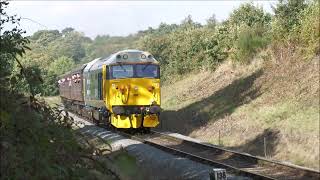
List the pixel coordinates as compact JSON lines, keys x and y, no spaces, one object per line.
{"x":153,"y":163}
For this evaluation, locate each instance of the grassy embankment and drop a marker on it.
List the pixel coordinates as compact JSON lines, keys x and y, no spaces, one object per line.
{"x":275,"y":101}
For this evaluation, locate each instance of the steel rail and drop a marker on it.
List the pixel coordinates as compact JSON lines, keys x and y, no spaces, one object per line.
{"x":197,"y":158}
{"x":260,"y":168}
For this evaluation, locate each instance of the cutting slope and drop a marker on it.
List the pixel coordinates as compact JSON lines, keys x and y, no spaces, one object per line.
{"x":247,"y":106}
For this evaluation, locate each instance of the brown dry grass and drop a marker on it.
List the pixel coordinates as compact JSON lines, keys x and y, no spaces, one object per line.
{"x":276,"y":101}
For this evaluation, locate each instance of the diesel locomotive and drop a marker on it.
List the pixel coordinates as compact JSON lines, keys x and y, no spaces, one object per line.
{"x":122,"y":90}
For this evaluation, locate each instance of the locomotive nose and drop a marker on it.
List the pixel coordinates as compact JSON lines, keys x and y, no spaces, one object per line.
{"x":135,"y":92}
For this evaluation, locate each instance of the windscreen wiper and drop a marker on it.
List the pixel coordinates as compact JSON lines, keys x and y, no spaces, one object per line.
{"x":120,"y":64}
{"x":146,"y":66}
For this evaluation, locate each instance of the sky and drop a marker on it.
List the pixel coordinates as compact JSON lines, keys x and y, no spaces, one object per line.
{"x":118,"y":18}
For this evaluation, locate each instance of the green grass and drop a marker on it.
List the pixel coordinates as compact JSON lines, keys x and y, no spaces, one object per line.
{"x":285,"y":115}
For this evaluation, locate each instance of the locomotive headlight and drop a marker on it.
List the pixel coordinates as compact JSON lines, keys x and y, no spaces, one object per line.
{"x":136,"y":88}
{"x":151,"y":88}
{"x":114,"y":86}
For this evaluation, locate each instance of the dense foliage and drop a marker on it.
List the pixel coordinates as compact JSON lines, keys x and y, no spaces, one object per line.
{"x":188,"y":46}
{"x":36,"y":141}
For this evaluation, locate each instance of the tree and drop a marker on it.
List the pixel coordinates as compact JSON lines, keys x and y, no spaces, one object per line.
{"x":12,"y":44}
{"x":249,"y":15}
{"x":189,"y":23}
{"x":44,"y":37}
{"x":288,"y":12}
{"x":38,"y":141}
{"x":67,"y":30}
{"x":212,"y":22}
{"x":71,"y":45}
{"x":61,"y":65}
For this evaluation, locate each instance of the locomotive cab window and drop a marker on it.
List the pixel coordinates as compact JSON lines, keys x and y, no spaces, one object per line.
{"x":122,"y":71}
{"x":147,"y":70}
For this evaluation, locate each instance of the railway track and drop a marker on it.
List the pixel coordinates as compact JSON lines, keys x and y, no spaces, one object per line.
{"x":235,"y":162}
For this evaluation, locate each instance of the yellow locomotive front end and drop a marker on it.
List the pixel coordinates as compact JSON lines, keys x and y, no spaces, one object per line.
{"x":132,"y":90}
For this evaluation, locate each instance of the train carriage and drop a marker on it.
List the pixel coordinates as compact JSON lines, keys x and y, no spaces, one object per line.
{"x":122,"y":89}
{"x":70,"y":85}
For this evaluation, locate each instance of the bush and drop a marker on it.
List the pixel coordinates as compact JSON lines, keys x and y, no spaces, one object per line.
{"x":287,"y":19}
{"x":310,"y":30}
{"x":250,"y":40}
{"x":248,"y":26}
{"x":187,"y":48}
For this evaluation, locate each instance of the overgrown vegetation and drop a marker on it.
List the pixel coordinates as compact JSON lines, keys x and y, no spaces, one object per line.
{"x":185,"y":47}
{"x":237,"y":106}
{"x":31,"y":65}
{"x":267,"y":87}
{"x":36,"y":141}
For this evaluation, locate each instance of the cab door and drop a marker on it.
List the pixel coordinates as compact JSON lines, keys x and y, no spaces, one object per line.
{"x":100,"y":86}
{"x":105,"y":86}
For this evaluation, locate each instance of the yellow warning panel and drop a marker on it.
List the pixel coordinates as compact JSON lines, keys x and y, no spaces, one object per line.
{"x":151,"y":120}
{"x":120,"y":121}
{"x":134,"y":121}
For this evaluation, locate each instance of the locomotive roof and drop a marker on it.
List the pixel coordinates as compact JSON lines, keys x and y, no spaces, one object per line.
{"x":131,"y":56}
{"x":125,"y":56}
{"x":91,"y":64}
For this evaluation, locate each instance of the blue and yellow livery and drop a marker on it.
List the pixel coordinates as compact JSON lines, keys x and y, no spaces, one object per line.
{"x":122,"y":90}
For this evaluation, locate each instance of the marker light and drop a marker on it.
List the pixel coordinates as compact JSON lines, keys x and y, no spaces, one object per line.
{"x":143,"y":56}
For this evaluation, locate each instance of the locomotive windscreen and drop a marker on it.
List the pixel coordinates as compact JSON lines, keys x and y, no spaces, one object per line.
{"x":147,"y":70}
{"x":134,"y":71}
{"x":122,"y":71}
